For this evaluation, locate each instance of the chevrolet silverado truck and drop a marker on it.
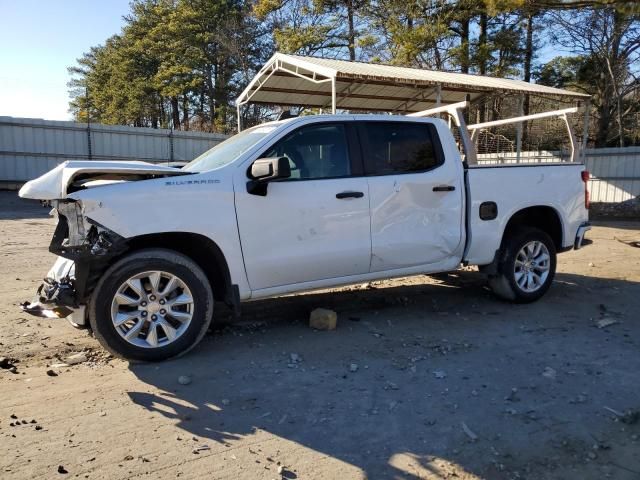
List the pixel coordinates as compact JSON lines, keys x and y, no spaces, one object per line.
{"x":146,"y":251}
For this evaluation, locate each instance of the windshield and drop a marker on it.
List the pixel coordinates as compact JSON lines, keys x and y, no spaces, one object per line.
{"x":226,"y":152}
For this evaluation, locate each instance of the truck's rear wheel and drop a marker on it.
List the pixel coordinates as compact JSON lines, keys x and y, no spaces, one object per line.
{"x":151,"y":305}
{"x":526,"y":268}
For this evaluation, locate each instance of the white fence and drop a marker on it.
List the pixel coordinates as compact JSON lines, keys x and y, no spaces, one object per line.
{"x":31,"y":147}
{"x":615,"y":172}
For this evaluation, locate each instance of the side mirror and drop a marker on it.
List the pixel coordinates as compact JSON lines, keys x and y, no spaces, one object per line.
{"x":265,"y":170}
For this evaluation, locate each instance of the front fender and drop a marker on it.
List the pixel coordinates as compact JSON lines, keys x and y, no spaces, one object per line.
{"x":201,"y":204}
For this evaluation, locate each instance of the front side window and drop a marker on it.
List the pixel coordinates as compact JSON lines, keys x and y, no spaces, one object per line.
{"x":315,"y":151}
{"x":397,"y":147}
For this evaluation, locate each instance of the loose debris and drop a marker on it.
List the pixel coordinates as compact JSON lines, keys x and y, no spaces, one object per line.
{"x":353,"y":367}
{"x":439,"y":374}
{"x":323,"y":319}
{"x":549,"y":373}
{"x":469,"y":432}
{"x":294,"y":360}
{"x":184,"y":380}
{"x":76,"y":358}
{"x":201,"y":448}
{"x":7,"y":363}
{"x":513,"y":396}
{"x":630,"y":417}
{"x":606,"y":315}
{"x":582,"y":398}
{"x":606,"y":322}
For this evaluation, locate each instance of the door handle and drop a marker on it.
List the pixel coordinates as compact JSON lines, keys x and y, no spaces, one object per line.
{"x":444,"y":188}
{"x":342,"y":195}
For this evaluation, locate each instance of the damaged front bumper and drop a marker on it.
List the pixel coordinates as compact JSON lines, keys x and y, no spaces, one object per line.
{"x":56,"y":296}
{"x":85,"y":249}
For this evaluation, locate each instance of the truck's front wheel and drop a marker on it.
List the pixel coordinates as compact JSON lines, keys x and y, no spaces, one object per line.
{"x":151,"y":305}
{"x":527,"y":265}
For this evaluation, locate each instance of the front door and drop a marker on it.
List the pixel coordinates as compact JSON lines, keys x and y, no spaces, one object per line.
{"x":416,"y":196}
{"x":314,"y":225}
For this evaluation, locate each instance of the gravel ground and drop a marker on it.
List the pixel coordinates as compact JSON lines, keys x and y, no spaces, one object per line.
{"x":425,"y":377}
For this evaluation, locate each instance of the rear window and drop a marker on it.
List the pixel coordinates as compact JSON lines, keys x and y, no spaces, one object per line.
{"x":398,"y":147}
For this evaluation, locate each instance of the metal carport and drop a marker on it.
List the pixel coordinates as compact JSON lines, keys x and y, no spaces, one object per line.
{"x":293,"y":80}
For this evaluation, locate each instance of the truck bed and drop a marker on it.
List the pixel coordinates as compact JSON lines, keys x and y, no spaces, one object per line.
{"x":514,"y":187}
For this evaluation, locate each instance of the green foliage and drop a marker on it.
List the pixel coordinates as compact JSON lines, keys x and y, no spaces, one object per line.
{"x":181,"y":63}
{"x":572,"y":73}
{"x":176,"y":63}
{"x":605,"y":43}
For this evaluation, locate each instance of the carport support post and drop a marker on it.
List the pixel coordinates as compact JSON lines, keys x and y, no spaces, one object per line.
{"x":438,"y":97}
{"x":239,"y":119}
{"x":519,"y":128}
{"x":333,"y":95}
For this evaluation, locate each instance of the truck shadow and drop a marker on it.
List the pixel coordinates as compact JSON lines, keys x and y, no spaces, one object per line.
{"x":409,"y":378}
{"x":13,"y":207}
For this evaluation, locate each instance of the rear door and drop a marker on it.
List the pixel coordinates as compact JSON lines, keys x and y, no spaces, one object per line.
{"x":416,"y":196}
{"x":314,"y":225}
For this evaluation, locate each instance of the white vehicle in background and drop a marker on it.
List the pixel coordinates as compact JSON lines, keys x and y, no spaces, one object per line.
{"x":289,"y":206}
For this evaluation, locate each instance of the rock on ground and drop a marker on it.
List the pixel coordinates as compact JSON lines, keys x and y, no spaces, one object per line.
{"x":323,"y":319}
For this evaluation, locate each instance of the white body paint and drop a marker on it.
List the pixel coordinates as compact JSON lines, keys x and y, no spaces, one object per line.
{"x":300,"y":236}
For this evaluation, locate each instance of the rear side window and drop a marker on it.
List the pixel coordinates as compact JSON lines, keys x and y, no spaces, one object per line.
{"x":398,"y":147}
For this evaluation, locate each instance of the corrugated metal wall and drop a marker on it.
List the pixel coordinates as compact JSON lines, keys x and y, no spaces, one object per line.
{"x":31,"y":147}
{"x":615,"y":173}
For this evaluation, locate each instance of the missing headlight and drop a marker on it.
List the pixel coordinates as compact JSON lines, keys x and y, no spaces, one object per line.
{"x":77,"y":237}
{"x":76,"y":228}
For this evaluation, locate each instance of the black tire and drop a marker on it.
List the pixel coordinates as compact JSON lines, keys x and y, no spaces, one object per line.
{"x":137,"y":262}
{"x":504,"y":283}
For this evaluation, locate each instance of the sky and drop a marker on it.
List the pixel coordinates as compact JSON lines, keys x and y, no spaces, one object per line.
{"x":39,"y":39}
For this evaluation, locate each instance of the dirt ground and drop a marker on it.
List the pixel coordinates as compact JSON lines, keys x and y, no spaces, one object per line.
{"x":427,"y":377}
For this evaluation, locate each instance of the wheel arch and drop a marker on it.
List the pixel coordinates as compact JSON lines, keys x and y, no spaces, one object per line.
{"x":199,"y":248}
{"x":542,"y":217}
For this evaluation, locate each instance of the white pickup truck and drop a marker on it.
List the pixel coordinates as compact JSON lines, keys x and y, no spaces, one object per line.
{"x":305,"y":203}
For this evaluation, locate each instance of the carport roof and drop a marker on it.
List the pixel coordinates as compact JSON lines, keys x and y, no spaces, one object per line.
{"x":296,"y":80}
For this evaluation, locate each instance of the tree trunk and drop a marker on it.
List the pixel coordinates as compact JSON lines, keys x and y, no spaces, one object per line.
{"x":528,"y":49}
{"x":614,"y":69}
{"x":603,"y":125}
{"x":528,"y":60}
{"x":482,"y":43}
{"x":438,"y":58}
{"x":201,"y":105}
{"x":185,"y":112}
{"x":352,"y":30}
{"x":464,"y":43}
{"x":482,"y":66}
{"x":175,"y":113}
{"x":163,"y":114}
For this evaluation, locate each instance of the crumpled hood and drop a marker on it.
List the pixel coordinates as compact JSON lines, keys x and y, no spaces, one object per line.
{"x":56,"y":183}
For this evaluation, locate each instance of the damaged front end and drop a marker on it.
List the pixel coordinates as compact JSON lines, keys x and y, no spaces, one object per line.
{"x":85,"y":249}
